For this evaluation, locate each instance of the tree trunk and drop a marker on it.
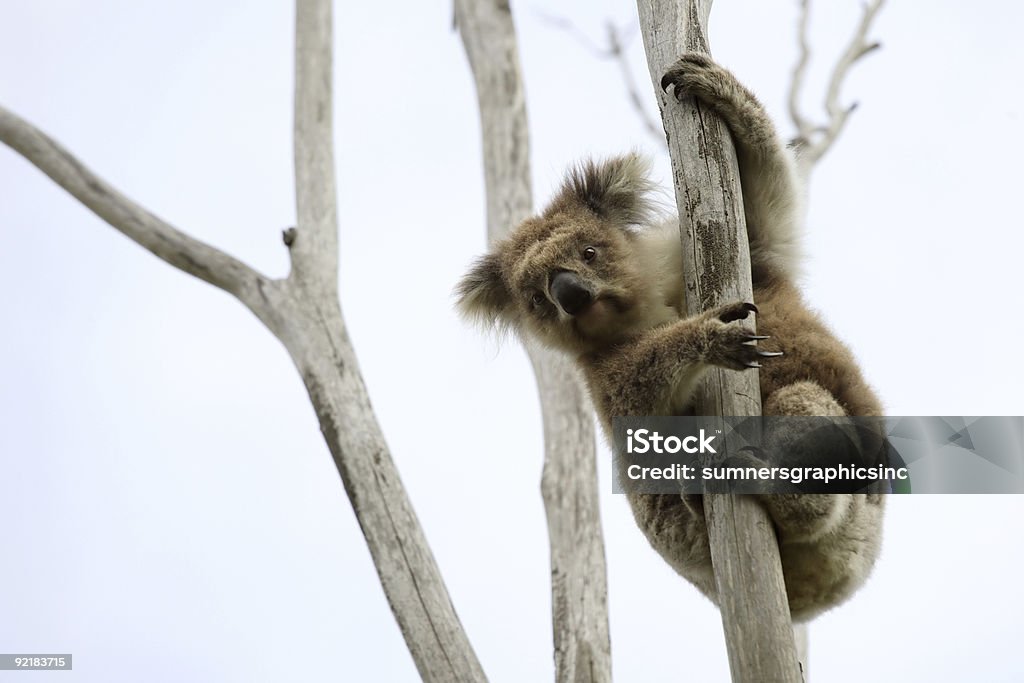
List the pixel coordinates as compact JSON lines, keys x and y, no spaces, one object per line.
{"x":716,"y":260}
{"x":579,"y":590}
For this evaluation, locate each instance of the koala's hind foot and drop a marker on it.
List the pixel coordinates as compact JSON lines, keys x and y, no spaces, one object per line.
{"x":803,"y":398}
{"x":836,"y":556}
{"x":828,"y":543}
{"x":802,"y":516}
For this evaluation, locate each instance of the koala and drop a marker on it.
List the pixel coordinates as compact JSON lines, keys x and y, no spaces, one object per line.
{"x":598,"y":275}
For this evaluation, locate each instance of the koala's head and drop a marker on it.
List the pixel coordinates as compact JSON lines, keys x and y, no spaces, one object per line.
{"x":570,"y":277}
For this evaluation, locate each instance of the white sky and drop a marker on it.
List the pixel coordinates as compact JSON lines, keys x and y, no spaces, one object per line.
{"x":168,"y":509}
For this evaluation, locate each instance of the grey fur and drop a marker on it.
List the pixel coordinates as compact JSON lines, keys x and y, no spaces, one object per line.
{"x":641,"y":354}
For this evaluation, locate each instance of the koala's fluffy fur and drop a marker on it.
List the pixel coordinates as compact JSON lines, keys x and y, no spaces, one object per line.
{"x":598,"y":276}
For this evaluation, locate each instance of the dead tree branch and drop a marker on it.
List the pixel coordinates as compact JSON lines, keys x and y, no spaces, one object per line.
{"x":569,"y":481}
{"x":304,"y":313}
{"x":162,"y":239}
{"x":744,"y":550}
{"x":813,"y":141}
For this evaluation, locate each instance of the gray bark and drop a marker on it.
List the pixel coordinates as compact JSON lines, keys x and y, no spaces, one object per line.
{"x":802,"y":650}
{"x":304,"y":313}
{"x":569,"y":481}
{"x":716,"y":259}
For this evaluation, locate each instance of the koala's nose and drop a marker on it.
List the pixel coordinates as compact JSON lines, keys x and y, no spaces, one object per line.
{"x":570,"y":292}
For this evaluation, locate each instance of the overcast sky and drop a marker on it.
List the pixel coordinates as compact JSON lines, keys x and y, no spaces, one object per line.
{"x":168,"y":509}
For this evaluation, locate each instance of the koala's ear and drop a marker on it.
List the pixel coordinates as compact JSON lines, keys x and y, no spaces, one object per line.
{"x":482,"y":293}
{"x":618,"y":189}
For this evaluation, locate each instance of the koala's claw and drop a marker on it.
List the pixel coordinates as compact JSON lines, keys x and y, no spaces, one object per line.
{"x":735,"y":347}
{"x":667,"y":80}
{"x":682,"y":74}
{"x":732,"y":312}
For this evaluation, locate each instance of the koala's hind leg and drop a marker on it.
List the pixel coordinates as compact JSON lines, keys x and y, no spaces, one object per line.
{"x":803,"y":399}
{"x":828,"y":543}
{"x":804,"y":517}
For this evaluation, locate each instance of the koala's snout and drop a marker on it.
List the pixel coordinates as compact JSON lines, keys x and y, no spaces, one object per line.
{"x":570,"y":292}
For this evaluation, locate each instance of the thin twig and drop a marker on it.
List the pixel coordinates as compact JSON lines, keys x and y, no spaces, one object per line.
{"x":615,"y":49}
{"x":803,"y":126}
{"x":567,"y":25}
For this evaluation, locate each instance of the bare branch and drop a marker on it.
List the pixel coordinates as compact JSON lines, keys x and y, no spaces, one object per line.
{"x":567,"y":25}
{"x":315,"y":249}
{"x":312,"y":328}
{"x":569,"y":481}
{"x":803,"y":126}
{"x":162,"y":239}
{"x":489,"y":39}
{"x":744,"y":550}
{"x":814,"y":141}
{"x":616,"y":51}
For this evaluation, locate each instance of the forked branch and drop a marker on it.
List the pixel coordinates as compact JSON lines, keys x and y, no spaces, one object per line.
{"x":304,"y":313}
{"x":813,"y":140}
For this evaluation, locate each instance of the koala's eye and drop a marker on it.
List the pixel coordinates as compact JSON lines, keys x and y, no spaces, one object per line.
{"x":537,"y":299}
{"x":589,"y":254}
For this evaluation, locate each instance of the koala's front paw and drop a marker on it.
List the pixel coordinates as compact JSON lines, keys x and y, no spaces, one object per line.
{"x":695,"y":74}
{"x":698,"y":76}
{"x":733,"y":346}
